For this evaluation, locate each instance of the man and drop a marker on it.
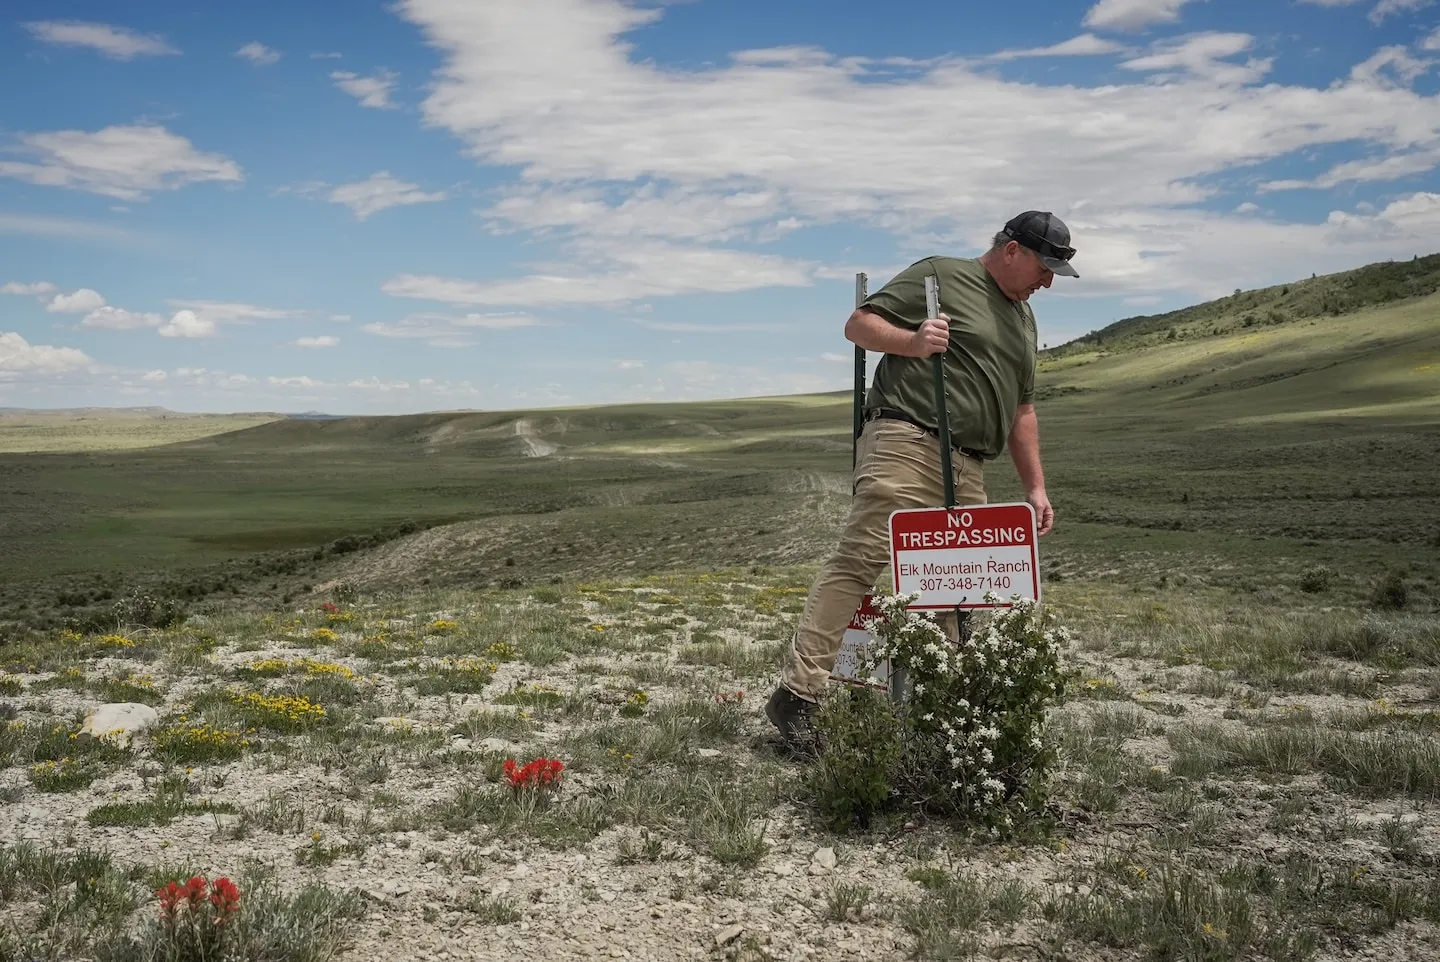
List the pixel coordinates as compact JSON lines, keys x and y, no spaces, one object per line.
{"x":986,"y":331}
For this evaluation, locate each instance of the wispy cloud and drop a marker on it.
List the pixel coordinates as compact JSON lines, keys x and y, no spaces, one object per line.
{"x":258,"y":54}
{"x":124,"y":162}
{"x":1386,"y":8}
{"x":615,"y":274}
{"x":1084,"y":45}
{"x":35,"y":225}
{"x":450,"y":330}
{"x":324,"y":340}
{"x":229,"y":312}
{"x":118,"y":43}
{"x":27,"y":290}
{"x":379,"y":192}
{"x":1381,"y":10}
{"x":372,"y":91}
{"x":110,"y":318}
{"x":1204,"y":55}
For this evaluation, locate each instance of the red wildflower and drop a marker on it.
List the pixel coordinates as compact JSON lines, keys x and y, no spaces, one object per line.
{"x":170,"y":897}
{"x":195,"y":890}
{"x":225,"y":896}
{"x":540,"y":773}
{"x":330,"y":608}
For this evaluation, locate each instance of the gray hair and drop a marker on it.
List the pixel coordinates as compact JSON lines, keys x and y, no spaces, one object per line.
{"x":999,"y":241}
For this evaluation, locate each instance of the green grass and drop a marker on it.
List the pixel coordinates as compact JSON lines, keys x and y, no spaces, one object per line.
{"x":67,"y":432}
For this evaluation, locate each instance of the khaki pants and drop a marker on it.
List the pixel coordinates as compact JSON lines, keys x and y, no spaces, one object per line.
{"x":897,"y":465}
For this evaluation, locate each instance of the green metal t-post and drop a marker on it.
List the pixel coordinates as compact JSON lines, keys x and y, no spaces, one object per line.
{"x":947,"y":468}
{"x":859,"y":425}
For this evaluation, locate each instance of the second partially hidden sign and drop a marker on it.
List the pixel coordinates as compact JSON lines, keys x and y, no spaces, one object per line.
{"x":954,"y":556}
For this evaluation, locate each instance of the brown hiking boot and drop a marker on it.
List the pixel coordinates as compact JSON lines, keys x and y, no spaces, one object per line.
{"x":792,"y":717}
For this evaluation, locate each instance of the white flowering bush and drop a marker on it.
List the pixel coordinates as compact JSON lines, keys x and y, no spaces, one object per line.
{"x":972,"y":729}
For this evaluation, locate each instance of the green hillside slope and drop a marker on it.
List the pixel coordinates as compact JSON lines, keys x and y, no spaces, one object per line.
{"x":1382,"y":361}
{"x":1330,"y":295}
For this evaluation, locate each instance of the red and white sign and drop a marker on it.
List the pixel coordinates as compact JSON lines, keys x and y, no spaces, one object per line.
{"x":853,"y":644}
{"x":954,"y":556}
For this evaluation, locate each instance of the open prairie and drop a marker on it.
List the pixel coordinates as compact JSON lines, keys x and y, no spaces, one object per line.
{"x":347,"y":628}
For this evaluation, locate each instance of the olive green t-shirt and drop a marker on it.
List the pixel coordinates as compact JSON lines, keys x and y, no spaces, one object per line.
{"x":989,"y":366}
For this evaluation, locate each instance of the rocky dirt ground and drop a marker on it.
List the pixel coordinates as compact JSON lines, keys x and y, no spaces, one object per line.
{"x":1234,"y":784}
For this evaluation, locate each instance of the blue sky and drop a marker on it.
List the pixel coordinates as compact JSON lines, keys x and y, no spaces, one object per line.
{"x":444,"y":204}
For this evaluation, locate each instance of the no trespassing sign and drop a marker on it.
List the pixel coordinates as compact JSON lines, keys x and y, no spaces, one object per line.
{"x":955,"y":556}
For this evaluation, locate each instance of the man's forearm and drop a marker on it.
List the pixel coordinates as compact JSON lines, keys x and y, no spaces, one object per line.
{"x":875,"y":333}
{"x":1025,"y":448}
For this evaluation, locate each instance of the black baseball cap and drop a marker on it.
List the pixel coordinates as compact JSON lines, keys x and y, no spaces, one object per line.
{"x":1046,"y":235}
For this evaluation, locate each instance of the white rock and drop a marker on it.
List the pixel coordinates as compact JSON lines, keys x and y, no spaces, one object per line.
{"x":729,"y":934}
{"x":825,"y":858}
{"x":118,"y":722}
{"x":395,"y":721}
{"x":708,"y":752}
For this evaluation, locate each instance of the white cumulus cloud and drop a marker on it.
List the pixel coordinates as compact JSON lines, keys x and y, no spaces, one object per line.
{"x":82,"y":301}
{"x":18,"y":357}
{"x":127,"y":162}
{"x":379,"y":192}
{"x":187,"y":324}
{"x":1132,"y":14}
{"x":372,"y":91}
{"x":324,"y":340}
{"x":258,"y":54}
{"x":154,"y":376}
{"x":119,"y":43}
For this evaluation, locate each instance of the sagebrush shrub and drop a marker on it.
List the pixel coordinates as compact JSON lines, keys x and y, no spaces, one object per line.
{"x":971,"y":732}
{"x":851,"y":780}
{"x":1317,"y":579}
{"x":142,"y":610}
{"x":1391,"y":592}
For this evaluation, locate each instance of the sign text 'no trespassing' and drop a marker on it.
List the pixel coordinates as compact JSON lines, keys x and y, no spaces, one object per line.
{"x":954,"y":556}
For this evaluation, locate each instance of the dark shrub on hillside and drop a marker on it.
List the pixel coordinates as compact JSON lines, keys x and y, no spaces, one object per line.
{"x":1317,"y":579}
{"x":1391,"y":592}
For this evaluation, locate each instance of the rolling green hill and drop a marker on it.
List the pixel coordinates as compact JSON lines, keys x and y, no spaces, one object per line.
{"x":1330,"y":295}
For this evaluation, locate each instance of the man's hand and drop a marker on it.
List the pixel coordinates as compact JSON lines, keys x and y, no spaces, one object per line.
{"x":931,"y":337}
{"x":1044,"y":513}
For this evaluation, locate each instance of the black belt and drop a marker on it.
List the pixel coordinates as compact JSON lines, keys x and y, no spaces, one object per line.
{"x":890,"y":414}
